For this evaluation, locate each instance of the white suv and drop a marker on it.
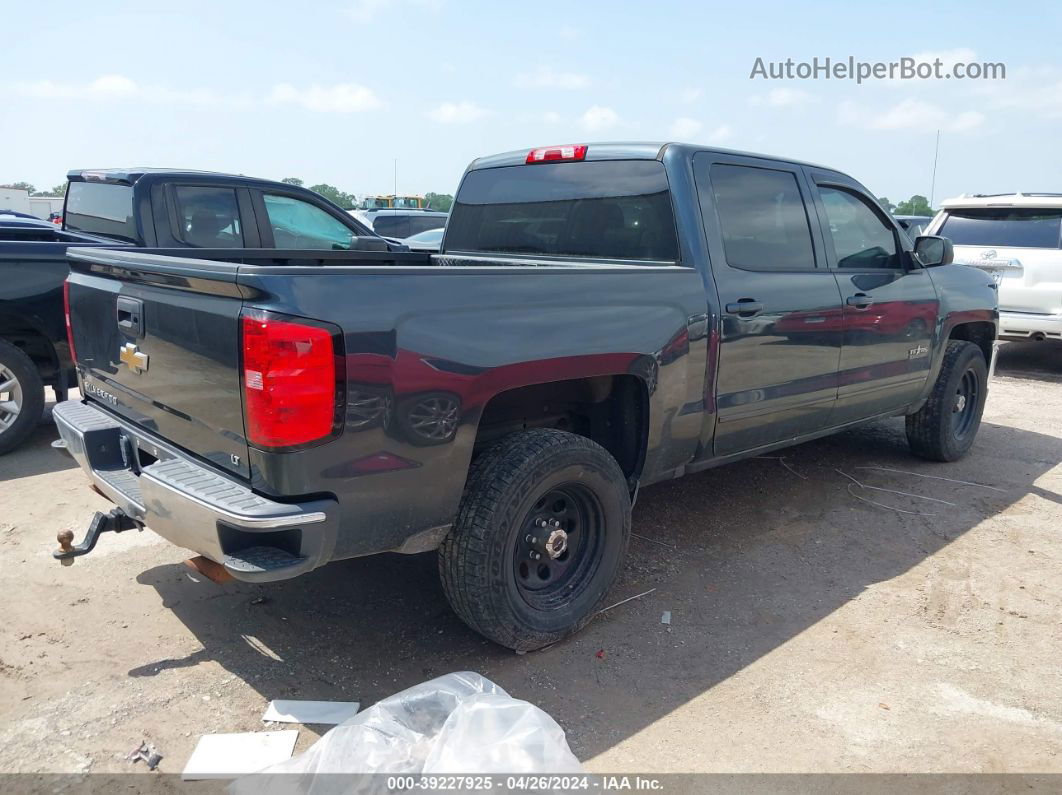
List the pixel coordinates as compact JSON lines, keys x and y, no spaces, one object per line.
{"x":1017,"y":237}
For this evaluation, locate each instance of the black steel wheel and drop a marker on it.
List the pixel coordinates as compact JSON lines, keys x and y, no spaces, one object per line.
{"x":558,"y":549}
{"x":539,"y":539}
{"x":945,"y":427}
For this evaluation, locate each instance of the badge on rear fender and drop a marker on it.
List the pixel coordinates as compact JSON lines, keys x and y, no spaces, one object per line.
{"x":134,"y":359}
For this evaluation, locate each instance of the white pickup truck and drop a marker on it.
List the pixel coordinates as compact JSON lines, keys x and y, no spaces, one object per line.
{"x":1016,"y":237}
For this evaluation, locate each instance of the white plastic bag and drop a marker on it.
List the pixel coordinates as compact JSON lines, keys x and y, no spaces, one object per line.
{"x":458,"y":723}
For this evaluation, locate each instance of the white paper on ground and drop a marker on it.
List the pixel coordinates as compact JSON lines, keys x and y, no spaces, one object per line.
{"x":232,"y":755}
{"x":330,"y":712}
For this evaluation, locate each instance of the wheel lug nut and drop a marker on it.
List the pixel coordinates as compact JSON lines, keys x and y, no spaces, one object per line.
{"x":530,"y":539}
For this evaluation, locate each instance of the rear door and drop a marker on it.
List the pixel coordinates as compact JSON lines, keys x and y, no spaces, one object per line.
{"x":890,"y":310}
{"x":158,"y":343}
{"x":781,"y":333}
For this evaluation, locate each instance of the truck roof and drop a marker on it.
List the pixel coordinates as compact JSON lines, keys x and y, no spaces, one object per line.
{"x":1051,"y":200}
{"x":630,"y":150}
{"x":127,"y":176}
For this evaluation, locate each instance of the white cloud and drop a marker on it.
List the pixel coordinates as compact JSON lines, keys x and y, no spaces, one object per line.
{"x":910,"y":114}
{"x":116,"y":88}
{"x":365,"y":11}
{"x":457,"y":112}
{"x":545,"y":77}
{"x":684,"y":128}
{"x":568,"y":33}
{"x":719,"y":134}
{"x":113,"y":84}
{"x":1034,"y":90}
{"x":689,"y":95}
{"x":599,"y":118}
{"x":782,"y":98}
{"x":340,"y":98}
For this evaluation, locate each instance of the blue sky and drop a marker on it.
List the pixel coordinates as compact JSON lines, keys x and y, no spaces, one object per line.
{"x":336,"y":91}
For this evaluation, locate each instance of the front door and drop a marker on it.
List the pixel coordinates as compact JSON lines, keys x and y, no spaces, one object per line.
{"x":781,"y":329}
{"x":889,"y":304}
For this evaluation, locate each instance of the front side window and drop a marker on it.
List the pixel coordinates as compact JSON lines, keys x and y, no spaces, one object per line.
{"x":209,"y":217}
{"x":999,"y":226}
{"x":300,"y":225}
{"x":617,"y":209}
{"x":860,"y":238}
{"x":762,"y":218}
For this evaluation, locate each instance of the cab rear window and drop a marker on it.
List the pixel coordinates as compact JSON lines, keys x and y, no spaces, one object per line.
{"x":1003,"y":227}
{"x":101,"y":208}
{"x":619,"y":209}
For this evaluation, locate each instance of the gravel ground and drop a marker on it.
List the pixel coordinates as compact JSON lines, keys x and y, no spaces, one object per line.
{"x":810,"y":631}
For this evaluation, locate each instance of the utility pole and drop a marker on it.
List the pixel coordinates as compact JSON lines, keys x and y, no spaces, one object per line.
{"x":933,"y":183}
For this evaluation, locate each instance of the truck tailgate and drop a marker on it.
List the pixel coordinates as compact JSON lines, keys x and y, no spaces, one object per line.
{"x":157,"y":342}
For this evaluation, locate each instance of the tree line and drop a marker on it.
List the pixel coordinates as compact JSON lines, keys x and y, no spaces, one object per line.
{"x":348,"y":201}
{"x":58,"y":190}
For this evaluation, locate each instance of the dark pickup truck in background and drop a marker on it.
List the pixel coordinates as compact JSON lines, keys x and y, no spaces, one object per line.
{"x":154,"y":208}
{"x":600,"y":318}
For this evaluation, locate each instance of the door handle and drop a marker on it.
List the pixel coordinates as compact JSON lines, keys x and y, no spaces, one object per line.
{"x":744,"y":307}
{"x":860,"y":300}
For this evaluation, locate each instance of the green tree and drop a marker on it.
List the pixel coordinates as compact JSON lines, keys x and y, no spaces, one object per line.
{"x":20,"y":186}
{"x":916,"y":205}
{"x":439,"y":201}
{"x":58,"y":190}
{"x":888,"y":205}
{"x":292,"y":181}
{"x":335,"y":195}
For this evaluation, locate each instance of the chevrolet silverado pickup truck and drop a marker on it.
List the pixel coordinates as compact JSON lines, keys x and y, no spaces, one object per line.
{"x":156,"y":208}
{"x":600,"y":318}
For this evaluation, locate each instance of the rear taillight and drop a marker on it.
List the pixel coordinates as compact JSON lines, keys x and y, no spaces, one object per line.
{"x":66,"y":314}
{"x":549,"y":154}
{"x":289,"y":381}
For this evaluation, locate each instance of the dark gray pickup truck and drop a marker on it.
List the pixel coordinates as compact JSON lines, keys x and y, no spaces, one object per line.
{"x":156,"y":208}
{"x":600,"y":318}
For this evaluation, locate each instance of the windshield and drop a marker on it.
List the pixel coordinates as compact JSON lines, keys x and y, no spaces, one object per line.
{"x":618,"y":209}
{"x":101,"y":208}
{"x":1004,"y":226}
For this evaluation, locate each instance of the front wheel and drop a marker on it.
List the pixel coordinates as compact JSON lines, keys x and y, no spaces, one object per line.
{"x":539,"y":539}
{"x":945,"y":427}
{"x":21,"y":396}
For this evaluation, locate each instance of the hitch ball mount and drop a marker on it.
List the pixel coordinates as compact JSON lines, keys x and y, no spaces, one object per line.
{"x":116,"y":521}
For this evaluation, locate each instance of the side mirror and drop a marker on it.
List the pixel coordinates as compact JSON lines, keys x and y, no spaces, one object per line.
{"x":933,"y":250}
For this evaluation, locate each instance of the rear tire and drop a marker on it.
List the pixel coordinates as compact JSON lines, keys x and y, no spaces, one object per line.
{"x":945,"y":427}
{"x":21,"y":397}
{"x":487,"y":563}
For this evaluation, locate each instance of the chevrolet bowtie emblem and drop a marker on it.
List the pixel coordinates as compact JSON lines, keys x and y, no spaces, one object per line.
{"x":133,"y":359}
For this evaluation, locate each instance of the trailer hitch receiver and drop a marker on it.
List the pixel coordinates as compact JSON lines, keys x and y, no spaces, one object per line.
{"x":116,"y":521}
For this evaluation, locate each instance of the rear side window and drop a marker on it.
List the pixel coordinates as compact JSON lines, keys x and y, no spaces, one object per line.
{"x":100,"y":208}
{"x":209,"y":217}
{"x":762,"y":218}
{"x":391,"y":226}
{"x":423,"y":223}
{"x":1004,"y":226}
{"x":300,"y":225}
{"x":617,"y":209}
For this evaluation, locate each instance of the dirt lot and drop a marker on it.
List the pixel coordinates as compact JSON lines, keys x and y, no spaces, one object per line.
{"x":811,"y":631}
